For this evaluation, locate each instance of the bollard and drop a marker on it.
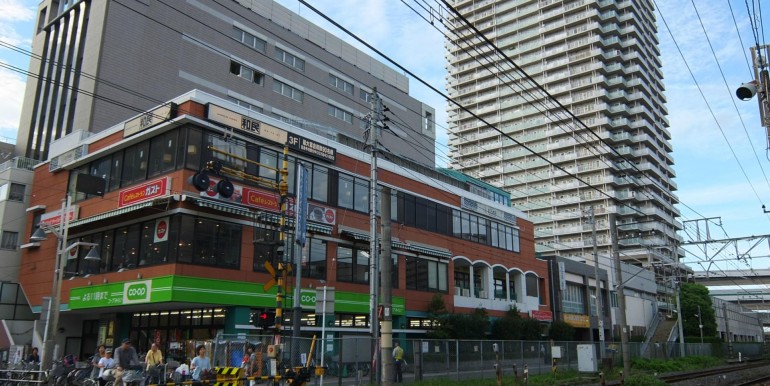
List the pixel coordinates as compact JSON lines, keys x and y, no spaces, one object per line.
{"x":622,"y":378}
{"x":740,"y":357}
{"x":601,"y":379}
{"x":515,"y":375}
{"x":526,"y":375}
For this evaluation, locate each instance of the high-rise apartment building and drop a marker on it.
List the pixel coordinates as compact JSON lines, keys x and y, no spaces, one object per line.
{"x":105,"y":61}
{"x":600,"y":59}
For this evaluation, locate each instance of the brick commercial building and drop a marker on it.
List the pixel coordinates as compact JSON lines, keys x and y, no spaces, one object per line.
{"x":178,"y":264}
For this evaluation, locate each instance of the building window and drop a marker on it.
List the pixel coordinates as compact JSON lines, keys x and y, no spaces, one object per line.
{"x":288,"y":91}
{"x":289,"y":59}
{"x":264,"y":247}
{"x":341,"y":84}
{"x":245,"y":104}
{"x":532,"y":285}
{"x":573,"y":299}
{"x":314,"y":259}
{"x":353,"y":193}
{"x":245,"y":72}
{"x":340,"y":114}
{"x":364,"y":95}
{"x":352,"y":265}
{"x":319,"y":187}
{"x":249,"y":39}
{"x":10,"y":240}
{"x":163,"y":153}
{"x":426,"y":275}
{"x":16,"y":193}
{"x":135,"y":164}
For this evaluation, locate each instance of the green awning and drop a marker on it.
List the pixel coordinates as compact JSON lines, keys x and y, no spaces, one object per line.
{"x":225,"y":207}
{"x":275,"y":219}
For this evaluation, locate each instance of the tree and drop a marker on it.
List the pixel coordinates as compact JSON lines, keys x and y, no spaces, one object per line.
{"x":693,"y":295}
{"x":561,"y":331}
{"x":458,"y":326}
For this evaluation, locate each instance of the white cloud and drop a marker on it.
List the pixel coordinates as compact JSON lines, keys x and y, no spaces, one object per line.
{"x":11,"y":93}
{"x":16,"y":10}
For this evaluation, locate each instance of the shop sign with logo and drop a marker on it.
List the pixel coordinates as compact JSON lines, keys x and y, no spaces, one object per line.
{"x":543,"y":316}
{"x":148,"y":119}
{"x":246,"y":124}
{"x":577,"y":320}
{"x":253,"y":197}
{"x":322,"y":214}
{"x":161,"y":230}
{"x":137,"y":292}
{"x":467,"y":203}
{"x":312,"y":148}
{"x":146,"y":191}
{"x":54,"y":218}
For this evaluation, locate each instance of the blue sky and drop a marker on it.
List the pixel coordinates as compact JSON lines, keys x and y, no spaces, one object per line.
{"x":709,"y":177}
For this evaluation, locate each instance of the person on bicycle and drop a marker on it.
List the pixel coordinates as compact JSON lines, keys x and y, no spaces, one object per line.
{"x":200,"y":363}
{"x":33,"y":356}
{"x":154,"y":358}
{"x":105,"y":363}
{"x":125,"y":359}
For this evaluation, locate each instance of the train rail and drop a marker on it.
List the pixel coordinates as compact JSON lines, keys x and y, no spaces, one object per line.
{"x":673,"y":378}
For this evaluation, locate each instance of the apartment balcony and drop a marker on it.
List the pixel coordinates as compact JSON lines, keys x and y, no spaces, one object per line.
{"x":22,"y":163}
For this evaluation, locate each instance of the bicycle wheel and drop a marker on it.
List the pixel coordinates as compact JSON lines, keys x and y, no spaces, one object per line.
{"x":89,"y":382}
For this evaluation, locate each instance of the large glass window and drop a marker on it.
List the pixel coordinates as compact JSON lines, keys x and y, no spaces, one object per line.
{"x":315,"y":259}
{"x":426,"y":275}
{"x":163,"y":152}
{"x":353,"y":193}
{"x":320,"y":186}
{"x":217,"y":243}
{"x":246,"y":72}
{"x":152,"y":252}
{"x":135,"y":163}
{"x":16,"y":193}
{"x":532,"y":285}
{"x":352,"y":265}
{"x":264,"y":247}
{"x":126,"y":250}
{"x":573,"y":299}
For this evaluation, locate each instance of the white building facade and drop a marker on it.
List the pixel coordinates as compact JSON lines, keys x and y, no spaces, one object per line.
{"x":600,"y":59}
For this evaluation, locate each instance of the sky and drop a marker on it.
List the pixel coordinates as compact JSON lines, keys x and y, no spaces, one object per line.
{"x":712,"y":179}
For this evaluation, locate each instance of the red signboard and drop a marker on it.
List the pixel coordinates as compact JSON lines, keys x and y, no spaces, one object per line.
{"x":54,"y":218}
{"x":146,"y":191}
{"x":543,"y":316}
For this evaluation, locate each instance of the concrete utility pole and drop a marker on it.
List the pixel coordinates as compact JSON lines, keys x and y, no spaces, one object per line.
{"x":386,"y":293}
{"x":375,"y":122}
{"x":598,"y":299}
{"x":680,"y":316}
{"x":621,"y":298}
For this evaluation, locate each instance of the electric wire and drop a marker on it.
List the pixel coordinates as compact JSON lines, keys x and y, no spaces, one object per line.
{"x":729,"y":93}
{"x":740,"y":39}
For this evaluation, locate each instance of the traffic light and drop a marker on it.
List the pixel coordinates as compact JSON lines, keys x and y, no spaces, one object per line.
{"x":263,"y":319}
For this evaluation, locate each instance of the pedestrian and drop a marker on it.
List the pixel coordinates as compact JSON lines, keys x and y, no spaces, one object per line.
{"x":98,"y":355}
{"x":398,"y":361}
{"x":125,"y":359}
{"x":105,"y":364}
{"x":200,"y":365}
{"x":33,"y":356}
{"x":154,"y":360}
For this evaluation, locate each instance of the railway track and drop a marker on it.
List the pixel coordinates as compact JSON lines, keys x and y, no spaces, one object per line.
{"x":764,"y":380}
{"x":711,"y":372}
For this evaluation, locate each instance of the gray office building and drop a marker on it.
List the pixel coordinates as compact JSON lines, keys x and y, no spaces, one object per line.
{"x":107,"y":60}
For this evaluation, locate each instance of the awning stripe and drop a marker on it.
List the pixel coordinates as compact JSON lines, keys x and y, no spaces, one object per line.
{"x":113,"y":213}
{"x":401,"y":245}
{"x":263,"y":216}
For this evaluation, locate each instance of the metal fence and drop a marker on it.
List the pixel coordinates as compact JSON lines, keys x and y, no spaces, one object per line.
{"x":350,"y":359}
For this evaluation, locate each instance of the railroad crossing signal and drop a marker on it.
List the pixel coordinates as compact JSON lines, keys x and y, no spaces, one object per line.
{"x":263,"y":319}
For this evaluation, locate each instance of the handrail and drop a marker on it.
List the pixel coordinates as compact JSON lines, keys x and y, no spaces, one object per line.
{"x":650,"y":333}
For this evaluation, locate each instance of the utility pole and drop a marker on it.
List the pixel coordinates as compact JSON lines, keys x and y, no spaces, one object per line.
{"x":300,"y":209}
{"x":386,"y":293}
{"x":284,"y":247}
{"x":700,"y":325}
{"x":375,"y":121}
{"x":679,"y":315}
{"x":621,"y":298}
{"x":597,"y":280}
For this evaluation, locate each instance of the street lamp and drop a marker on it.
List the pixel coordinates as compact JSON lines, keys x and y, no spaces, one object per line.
{"x":54,"y":304}
{"x":700,"y":325}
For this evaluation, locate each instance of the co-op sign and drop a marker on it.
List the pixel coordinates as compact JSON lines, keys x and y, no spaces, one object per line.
{"x":137,"y":292}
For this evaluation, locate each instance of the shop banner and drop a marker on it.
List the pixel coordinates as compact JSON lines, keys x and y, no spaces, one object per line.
{"x":543,"y":316}
{"x":146,"y":191}
{"x":577,"y":320}
{"x":200,"y":290}
{"x":161,"y":230}
{"x":54,"y":218}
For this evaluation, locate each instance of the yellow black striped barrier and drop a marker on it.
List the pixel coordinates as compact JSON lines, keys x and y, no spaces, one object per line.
{"x":228,"y":371}
{"x":299,"y":375}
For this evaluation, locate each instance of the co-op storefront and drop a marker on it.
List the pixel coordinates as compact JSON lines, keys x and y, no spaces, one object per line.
{"x":172,"y":310}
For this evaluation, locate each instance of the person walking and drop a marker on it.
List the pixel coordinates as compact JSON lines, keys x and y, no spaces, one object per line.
{"x":200,"y":363}
{"x":398,"y":361}
{"x":125,"y":358}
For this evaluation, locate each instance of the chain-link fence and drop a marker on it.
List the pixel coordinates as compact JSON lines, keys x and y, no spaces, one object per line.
{"x":349,"y":359}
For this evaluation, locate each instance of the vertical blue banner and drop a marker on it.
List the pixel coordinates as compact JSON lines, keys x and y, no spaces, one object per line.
{"x":301,"y":205}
